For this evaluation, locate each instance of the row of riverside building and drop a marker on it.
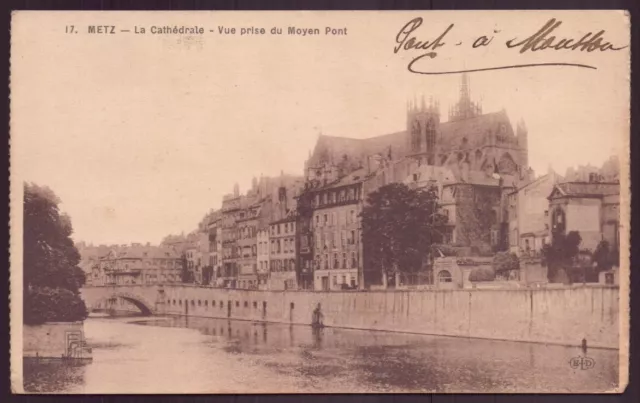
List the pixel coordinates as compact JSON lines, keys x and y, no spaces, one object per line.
{"x":303,"y":232}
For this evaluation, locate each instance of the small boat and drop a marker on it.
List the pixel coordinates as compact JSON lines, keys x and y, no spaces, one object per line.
{"x":317,"y":325}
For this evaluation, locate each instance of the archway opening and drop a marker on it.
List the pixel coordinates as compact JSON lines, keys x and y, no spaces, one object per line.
{"x":112,"y":304}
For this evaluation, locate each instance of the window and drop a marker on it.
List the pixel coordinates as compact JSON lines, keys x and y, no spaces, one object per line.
{"x":336,"y":264}
{"x":199,"y":303}
{"x":255,"y":305}
{"x":325,"y":219}
{"x":317,"y":221}
{"x":206,"y":303}
{"x":246,"y":304}
{"x":344,"y":279}
{"x":444,"y":277}
{"x":221,"y":304}
{"x":193,"y":303}
{"x":344,"y":260}
{"x":213,"y":303}
{"x":335,"y":280}
{"x":354,"y":262}
{"x":237,"y":304}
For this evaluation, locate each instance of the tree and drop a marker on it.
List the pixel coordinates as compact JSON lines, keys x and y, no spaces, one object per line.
{"x":482,"y":274}
{"x":52,"y":278}
{"x":399,"y":225}
{"x":504,"y":262}
{"x":186,"y":274}
{"x":603,"y":256}
{"x":561,"y":253}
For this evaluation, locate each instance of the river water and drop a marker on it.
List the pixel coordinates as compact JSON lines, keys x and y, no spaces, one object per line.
{"x":202,"y":355}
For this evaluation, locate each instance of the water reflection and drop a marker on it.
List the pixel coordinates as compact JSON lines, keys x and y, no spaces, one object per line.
{"x":198,"y":355}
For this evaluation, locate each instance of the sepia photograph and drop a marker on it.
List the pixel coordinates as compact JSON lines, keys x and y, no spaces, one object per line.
{"x":319,"y":202}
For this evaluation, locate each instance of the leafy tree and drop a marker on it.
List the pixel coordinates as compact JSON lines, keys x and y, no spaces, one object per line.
{"x":482,"y":274}
{"x":399,"y":225}
{"x":52,"y":278}
{"x":561,"y":253}
{"x":44,"y":304}
{"x":603,"y":256}
{"x":186,"y":274}
{"x":505,"y":262}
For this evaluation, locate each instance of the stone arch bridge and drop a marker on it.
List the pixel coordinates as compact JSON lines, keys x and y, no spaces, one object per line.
{"x":149,"y":299}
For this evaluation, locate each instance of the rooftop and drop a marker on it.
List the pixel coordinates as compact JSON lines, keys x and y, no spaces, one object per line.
{"x":584,"y":189}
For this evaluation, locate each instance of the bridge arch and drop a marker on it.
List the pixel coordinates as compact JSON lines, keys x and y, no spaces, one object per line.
{"x":98,"y":296}
{"x":144,"y":307}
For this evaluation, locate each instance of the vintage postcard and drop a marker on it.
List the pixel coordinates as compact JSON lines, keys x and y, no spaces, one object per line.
{"x":315,"y":202}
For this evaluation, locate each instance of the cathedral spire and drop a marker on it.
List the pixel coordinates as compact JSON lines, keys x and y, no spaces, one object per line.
{"x":464,"y":108}
{"x":464,"y":89}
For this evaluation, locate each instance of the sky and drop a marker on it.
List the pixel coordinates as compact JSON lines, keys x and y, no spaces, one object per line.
{"x":140,"y":136}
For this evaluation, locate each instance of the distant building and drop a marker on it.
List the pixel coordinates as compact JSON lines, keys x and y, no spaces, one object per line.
{"x":140,"y":264}
{"x":90,"y":256}
{"x":247,"y":263}
{"x":282,"y":254}
{"x":263,"y":258}
{"x":230,"y":253}
{"x":609,"y":172}
{"x":591,"y":208}
{"x":214,"y":229}
{"x":337,"y":246}
{"x":528,"y":214}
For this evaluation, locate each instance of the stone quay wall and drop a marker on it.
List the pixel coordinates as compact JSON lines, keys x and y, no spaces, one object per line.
{"x":548,"y":315}
{"x":53,"y":340}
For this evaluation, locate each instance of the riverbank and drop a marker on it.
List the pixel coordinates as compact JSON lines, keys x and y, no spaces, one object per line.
{"x":55,"y":341}
{"x":562,"y":316}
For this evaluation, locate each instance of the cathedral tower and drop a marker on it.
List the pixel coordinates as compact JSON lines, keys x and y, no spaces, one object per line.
{"x":523,"y":142}
{"x":422,"y":130}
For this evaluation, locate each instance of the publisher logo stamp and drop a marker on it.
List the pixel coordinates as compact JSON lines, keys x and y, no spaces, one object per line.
{"x":582,"y":363}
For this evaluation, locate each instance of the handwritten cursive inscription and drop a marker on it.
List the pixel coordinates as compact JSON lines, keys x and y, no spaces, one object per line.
{"x":541,"y":41}
{"x":407,"y":40}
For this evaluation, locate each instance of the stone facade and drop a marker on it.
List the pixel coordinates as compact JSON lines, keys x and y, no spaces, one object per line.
{"x":529,"y":215}
{"x":282,"y":254}
{"x":263,"y":258}
{"x":337,"y":241}
{"x":592,"y":209}
{"x":138,"y":264}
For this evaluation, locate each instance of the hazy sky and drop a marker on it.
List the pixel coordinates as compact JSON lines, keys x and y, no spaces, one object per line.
{"x":140,"y":135}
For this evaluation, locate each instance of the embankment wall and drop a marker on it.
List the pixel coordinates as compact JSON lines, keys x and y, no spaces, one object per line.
{"x":52,"y":339}
{"x":548,"y":315}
